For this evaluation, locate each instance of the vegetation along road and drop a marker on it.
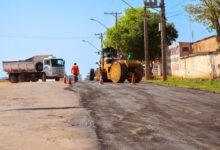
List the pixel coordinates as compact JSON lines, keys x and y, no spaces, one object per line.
{"x":87,"y":116}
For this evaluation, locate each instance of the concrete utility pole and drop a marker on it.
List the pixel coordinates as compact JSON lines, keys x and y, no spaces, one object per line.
{"x":146,"y":50}
{"x":163,"y":40}
{"x":101,"y":37}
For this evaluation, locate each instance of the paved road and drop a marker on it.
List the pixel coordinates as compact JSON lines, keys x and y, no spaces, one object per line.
{"x":148,"y":116}
{"x":89,"y":116}
{"x":43,"y":116}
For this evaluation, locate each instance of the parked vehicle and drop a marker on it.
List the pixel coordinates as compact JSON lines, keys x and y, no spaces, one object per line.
{"x":35,"y":68}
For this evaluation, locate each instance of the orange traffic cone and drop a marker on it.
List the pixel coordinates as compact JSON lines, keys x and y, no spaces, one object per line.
{"x":64,"y":79}
{"x":101,"y":82}
{"x":70,"y":82}
{"x":133,"y":79}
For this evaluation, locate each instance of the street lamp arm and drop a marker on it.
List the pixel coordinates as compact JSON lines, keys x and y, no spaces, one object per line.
{"x":99,"y":23}
{"x":90,"y":44}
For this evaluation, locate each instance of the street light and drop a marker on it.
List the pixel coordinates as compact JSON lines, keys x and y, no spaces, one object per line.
{"x":91,"y":45}
{"x":99,"y":23}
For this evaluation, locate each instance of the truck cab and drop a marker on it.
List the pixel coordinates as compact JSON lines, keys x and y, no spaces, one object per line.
{"x":53,"y":68}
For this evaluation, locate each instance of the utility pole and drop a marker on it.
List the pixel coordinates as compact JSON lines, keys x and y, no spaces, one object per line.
{"x":101,"y":37}
{"x":146,"y":48}
{"x":115,"y":14}
{"x":163,"y":40}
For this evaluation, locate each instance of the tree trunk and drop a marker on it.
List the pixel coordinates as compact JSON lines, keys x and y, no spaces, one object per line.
{"x":217,"y":24}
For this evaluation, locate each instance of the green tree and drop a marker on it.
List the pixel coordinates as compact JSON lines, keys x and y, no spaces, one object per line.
{"x":129,"y":36}
{"x":206,"y":12}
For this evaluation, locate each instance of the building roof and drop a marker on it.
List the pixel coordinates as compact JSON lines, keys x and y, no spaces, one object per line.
{"x":206,"y":38}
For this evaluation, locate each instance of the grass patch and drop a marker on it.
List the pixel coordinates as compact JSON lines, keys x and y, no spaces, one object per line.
{"x":205,"y":84}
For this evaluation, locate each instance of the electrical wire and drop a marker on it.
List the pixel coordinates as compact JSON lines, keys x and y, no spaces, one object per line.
{"x":24,"y":36}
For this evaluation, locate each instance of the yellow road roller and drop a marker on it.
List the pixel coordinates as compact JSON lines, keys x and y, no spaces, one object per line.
{"x":114,"y":69}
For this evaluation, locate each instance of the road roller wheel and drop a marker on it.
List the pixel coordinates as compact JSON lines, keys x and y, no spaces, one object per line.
{"x":118,"y":72}
{"x":138,"y":73}
{"x":92,"y":74}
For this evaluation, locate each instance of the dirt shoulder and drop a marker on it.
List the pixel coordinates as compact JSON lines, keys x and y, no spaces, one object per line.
{"x":43,"y":116}
{"x":148,"y":116}
{"x":3,"y":83}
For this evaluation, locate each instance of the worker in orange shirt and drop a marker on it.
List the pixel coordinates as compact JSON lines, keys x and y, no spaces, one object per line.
{"x":75,"y":72}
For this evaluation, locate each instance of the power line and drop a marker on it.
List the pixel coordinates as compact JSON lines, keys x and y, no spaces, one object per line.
{"x":127,"y":4}
{"x":134,"y":8}
{"x":177,"y":4}
{"x":115,"y":14}
{"x":22,"y":36}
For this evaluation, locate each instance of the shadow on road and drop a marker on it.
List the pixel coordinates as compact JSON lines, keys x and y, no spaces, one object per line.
{"x":43,"y":108}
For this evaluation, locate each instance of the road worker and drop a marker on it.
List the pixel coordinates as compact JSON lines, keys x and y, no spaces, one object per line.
{"x":75,"y":72}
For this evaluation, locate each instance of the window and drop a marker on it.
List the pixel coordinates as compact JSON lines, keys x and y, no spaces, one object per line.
{"x":47,"y":62}
{"x":185,"y":49}
{"x":57,"y":62}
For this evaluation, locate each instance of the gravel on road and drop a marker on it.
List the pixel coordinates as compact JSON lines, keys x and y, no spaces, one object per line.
{"x":148,"y":116}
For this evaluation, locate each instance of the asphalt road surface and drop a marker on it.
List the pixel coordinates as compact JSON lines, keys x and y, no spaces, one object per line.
{"x":148,"y":116}
{"x":43,"y":116}
{"x":89,"y":116}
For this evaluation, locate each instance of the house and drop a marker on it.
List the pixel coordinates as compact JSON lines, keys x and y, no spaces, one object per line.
{"x":200,"y":59}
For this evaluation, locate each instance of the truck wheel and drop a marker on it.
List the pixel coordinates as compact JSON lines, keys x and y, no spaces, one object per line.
{"x":57,"y":79}
{"x":39,"y":66}
{"x":44,"y":77}
{"x":13,"y":78}
{"x":34,"y":79}
{"x":21,"y":78}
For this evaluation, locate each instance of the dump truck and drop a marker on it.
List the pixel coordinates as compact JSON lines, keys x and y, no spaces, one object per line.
{"x":115,"y":69}
{"x":38,"y":67}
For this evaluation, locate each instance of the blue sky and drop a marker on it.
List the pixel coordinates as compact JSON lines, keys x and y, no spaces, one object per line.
{"x":37,"y":27}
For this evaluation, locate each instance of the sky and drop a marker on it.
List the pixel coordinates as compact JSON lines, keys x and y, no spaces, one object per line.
{"x":39,"y":27}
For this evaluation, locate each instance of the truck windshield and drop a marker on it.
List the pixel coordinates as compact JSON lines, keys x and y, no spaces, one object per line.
{"x":57,"y":62}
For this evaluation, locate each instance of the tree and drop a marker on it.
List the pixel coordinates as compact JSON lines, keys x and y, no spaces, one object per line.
{"x":206,"y":12}
{"x":129,"y":36}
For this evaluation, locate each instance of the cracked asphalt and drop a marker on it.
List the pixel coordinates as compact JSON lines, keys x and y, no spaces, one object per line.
{"x":89,"y":116}
{"x":149,"y":116}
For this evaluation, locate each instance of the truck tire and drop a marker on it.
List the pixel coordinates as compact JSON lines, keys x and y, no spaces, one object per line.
{"x":13,"y":78}
{"x":44,"y":77}
{"x":34,"y":79}
{"x":39,"y":66}
{"x":21,"y":78}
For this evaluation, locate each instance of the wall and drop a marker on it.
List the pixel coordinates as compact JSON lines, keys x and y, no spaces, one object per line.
{"x":173,"y":58}
{"x":194,"y":60}
{"x":197,"y":66}
{"x":209,"y":44}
